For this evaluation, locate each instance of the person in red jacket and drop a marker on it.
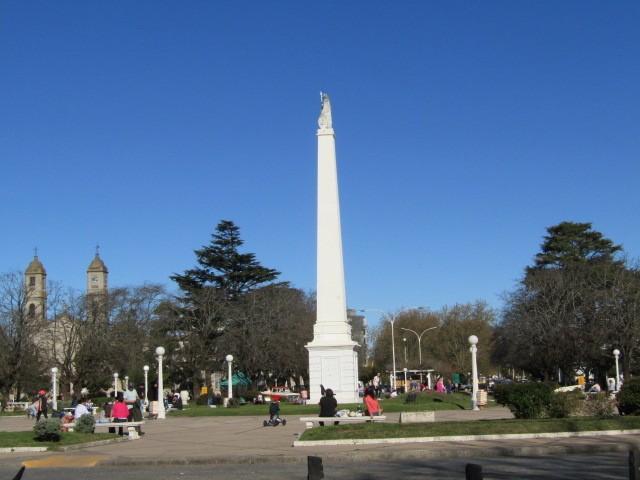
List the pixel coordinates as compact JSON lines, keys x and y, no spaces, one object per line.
{"x":372,"y":403}
{"x":119,"y":411}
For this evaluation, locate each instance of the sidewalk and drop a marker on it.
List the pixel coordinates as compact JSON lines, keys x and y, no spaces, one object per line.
{"x":211,"y":440}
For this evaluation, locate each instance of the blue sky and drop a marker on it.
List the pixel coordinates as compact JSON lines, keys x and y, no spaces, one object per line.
{"x":463,"y":131}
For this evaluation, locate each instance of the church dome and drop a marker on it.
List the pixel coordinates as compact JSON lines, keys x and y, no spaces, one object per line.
{"x":36,"y":266}
{"x":97,"y":265}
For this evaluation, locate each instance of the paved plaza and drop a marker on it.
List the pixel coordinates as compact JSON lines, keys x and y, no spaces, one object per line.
{"x":217,"y":440}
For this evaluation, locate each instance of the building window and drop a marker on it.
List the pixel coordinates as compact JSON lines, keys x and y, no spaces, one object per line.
{"x":32,"y":310}
{"x":32,"y":281}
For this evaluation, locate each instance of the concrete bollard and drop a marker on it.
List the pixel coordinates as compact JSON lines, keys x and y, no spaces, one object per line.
{"x":315,"y":470}
{"x":634,"y":464}
{"x":19,"y":474}
{"x":473,"y":471}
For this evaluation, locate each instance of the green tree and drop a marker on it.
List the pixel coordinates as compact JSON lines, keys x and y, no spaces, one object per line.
{"x":557,"y":316}
{"x":569,"y":244}
{"x":202,"y":314}
{"x":21,"y":359}
{"x":223,"y":267}
{"x":268,"y":330}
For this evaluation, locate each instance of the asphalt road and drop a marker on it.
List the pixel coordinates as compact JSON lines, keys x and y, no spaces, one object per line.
{"x":610,"y":466}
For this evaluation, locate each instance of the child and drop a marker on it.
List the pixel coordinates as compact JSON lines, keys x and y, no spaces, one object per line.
{"x":274,"y":411}
{"x":274,"y":415}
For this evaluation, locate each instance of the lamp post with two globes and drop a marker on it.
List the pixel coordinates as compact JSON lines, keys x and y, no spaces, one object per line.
{"x":393,"y":340}
{"x":419,"y":345}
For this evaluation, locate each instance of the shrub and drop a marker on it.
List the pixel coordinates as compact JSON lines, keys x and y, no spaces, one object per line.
{"x":48,"y":430}
{"x":564,"y":405}
{"x":600,"y":405}
{"x":250,"y":395}
{"x":201,"y":400}
{"x":629,"y":397}
{"x":85,"y":423}
{"x":234,"y":402}
{"x":525,"y":400}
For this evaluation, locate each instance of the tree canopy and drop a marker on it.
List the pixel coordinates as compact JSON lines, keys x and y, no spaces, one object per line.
{"x":569,"y":308}
{"x":223,"y":267}
{"x":569,"y":244}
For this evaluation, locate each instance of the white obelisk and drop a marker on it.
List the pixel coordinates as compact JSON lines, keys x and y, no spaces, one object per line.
{"x":333,"y":359}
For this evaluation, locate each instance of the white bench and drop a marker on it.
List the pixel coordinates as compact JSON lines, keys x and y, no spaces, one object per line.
{"x":130,"y":426}
{"x":310,"y":421}
{"x":11,"y":406}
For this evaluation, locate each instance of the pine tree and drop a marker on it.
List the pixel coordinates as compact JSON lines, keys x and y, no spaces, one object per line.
{"x":222,"y":267}
{"x":572,"y":244}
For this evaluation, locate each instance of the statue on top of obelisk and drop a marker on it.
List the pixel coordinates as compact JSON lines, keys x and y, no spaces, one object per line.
{"x":324,"y":121}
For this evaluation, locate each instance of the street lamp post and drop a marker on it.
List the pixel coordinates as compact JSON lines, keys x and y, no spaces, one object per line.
{"x":161,"y":411}
{"x":405,"y":379}
{"x":115,"y":384}
{"x":126,"y":381}
{"x":54,"y":381}
{"x":146,"y":384}
{"x":393,"y":340}
{"x":616,"y":353}
{"x":229,"y":359}
{"x":405,"y":349}
{"x":419,"y":345}
{"x":473,"y":340}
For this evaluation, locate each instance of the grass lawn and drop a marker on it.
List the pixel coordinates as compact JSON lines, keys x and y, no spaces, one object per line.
{"x":27,"y":439}
{"x":475,"y":427}
{"x":425,"y":401}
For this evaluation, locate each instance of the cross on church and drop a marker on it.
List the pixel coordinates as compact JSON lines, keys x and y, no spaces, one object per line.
{"x":35,"y":252}
{"x":97,"y":248}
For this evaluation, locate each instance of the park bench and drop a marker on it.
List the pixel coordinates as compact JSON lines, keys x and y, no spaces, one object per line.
{"x":11,"y":406}
{"x":129,"y":426}
{"x":311,"y":421}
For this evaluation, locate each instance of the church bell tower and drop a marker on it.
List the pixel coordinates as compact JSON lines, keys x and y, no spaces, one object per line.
{"x":35,"y":278}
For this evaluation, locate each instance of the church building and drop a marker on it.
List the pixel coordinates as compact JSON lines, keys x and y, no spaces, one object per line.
{"x":35,"y":277}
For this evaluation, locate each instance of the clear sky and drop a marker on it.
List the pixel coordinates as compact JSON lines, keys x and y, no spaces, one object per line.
{"x":463,"y":131}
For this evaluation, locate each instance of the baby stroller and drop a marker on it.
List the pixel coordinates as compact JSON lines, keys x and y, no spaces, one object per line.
{"x":274,"y":416}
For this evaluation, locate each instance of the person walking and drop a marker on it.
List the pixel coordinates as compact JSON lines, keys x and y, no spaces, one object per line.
{"x":132,"y":400}
{"x":43,"y":405}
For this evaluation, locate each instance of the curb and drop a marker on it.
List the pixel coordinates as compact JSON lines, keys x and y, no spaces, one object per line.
{"x":461,"y":438}
{"x":377,"y":455}
{"x":23,"y":449}
{"x":78,"y":446}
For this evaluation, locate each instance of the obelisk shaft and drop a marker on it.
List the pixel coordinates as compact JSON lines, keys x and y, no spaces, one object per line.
{"x":333,"y":360}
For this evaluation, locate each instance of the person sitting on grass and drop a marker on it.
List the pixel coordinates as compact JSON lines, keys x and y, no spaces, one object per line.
{"x":328,"y":406}
{"x":68,"y":418}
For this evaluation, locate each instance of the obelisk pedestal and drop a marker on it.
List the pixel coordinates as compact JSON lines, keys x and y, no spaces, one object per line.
{"x":333,"y":359}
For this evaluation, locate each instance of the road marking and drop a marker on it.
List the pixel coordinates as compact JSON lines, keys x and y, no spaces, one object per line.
{"x":70,"y":461}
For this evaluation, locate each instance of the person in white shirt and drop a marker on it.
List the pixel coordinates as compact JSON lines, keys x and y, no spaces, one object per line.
{"x":131,"y":399}
{"x":81,"y":409}
{"x":376,"y":385}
